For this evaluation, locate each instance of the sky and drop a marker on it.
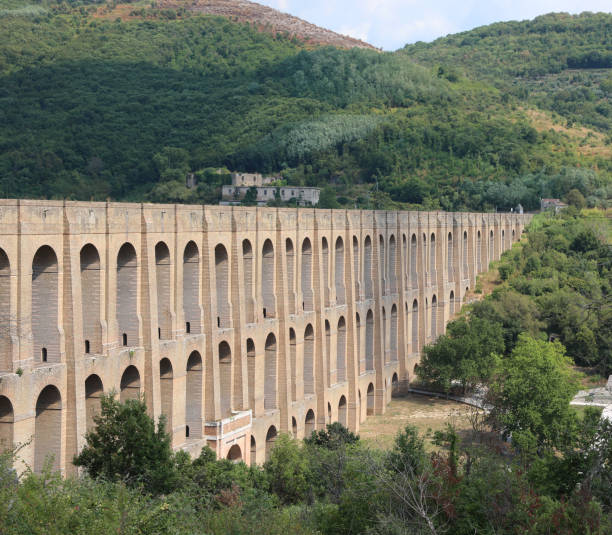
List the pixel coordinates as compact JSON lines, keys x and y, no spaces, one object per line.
{"x":390,"y":24}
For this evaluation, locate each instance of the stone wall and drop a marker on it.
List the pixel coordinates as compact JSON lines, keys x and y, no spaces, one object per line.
{"x":236,"y":323}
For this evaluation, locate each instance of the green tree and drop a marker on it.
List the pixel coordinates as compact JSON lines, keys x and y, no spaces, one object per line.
{"x":126,"y":446}
{"x":288,"y":470}
{"x":575,"y":198}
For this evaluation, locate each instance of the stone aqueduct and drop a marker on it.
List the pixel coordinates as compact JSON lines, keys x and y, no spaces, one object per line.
{"x":236,"y":323}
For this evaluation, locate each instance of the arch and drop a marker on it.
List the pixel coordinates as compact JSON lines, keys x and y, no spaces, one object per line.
{"x":5,"y":314}
{"x":342,"y":412}
{"x":270,"y":440}
{"x":393,"y":337}
{"x":413,"y":261}
{"x":339,"y":272}
{"x":367,"y":267}
{"x":48,"y":429}
{"x":329,"y":413}
{"x":130,"y":384}
{"x":392,"y":264}
{"x":234,"y":454}
{"x":222,"y":286}
{"x":253,"y":451}
{"x":405,"y":259}
{"x":358,"y":340}
{"x":7,"y":419}
{"x":451,"y":300}
{"x":356,"y":267}
{"x":434,"y":317}
{"x":250,"y":347}
{"x":325,"y":255}
{"x":309,"y":423}
{"x":341,"y":351}
{"x":127,"y":292}
{"x":432,"y":255}
{"x":45,"y":334}
{"x":294,"y":428}
{"x":491,"y":246}
{"x":193,"y":396}
{"x":270,"y":373}
{"x":370,"y":400}
{"x":309,"y":345}
{"x":306,"y":276}
{"x":381,"y":263}
{"x":465,"y":253}
{"x":225,"y":379}
{"x":415,"y":326}
{"x":394,"y":386}
{"x":162,"y":272}
{"x":478,"y":252}
{"x":93,"y":395}
{"x":293,"y":359}
{"x":369,"y":341}
{"x":449,"y":258}
{"x":384,"y":335}
{"x":290,"y":257}
{"x":267,"y":279}
{"x":191,"y":289}
{"x":328,"y":350}
{"x":247,"y":274}
{"x":166,"y":380}
{"x":91,"y":298}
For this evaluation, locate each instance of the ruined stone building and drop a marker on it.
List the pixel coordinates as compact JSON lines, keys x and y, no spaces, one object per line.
{"x":236,"y":323}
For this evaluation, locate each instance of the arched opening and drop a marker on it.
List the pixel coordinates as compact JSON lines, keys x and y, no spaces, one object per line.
{"x":381,"y":263}
{"x":290,"y":257}
{"x":370,"y":400}
{"x":93,"y":396}
{"x":191,"y":288}
{"x":328,"y":350}
{"x":392,"y":265}
{"x":503,"y":240}
{"x":432,"y":256}
{"x":309,"y":424}
{"x":270,"y":440}
{"x":293,"y":359}
{"x":130,"y":384}
{"x":329,"y":413}
{"x":307,"y":295}
{"x":405,"y":260}
{"x":7,"y":419}
{"x":339,"y":272}
{"x":413,"y":261}
{"x":356,"y":267}
{"x":48,"y":429}
{"x":465,"y":254}
{"x":491,"y":247}
{"x":367,"y":267}
{"x":393,"y":341}
{"x":309,"y":360}
{"x":234,"y":454}
{"x":253,"y":451}
{"x":479,"y":252}
{"x":193,"y":396}
{"x":369,"y":341}
{"x":222,"y":285}
{"x":451,"y":300}
{"x":166,"y":391}
{"x":449,"y":257}
{"x":267,"y":280}
{"x":394,"y":386}
{"x":294,"y":428}
{"x":325,"y":255}
{"x":225,"y":379}
{"x":45,"y":334}
{"x":270,"y":373}
{"x":512,"y":234}
{"x":90,"y":298}
{"x":341,"y":351}
{"x":247,"y":273}
{"x":127,"y":292}
{"x":415,"y":326}
{"x":358,"y":340}
{"x":384,"y":335}
{"x":250,"y":347}
{"x":359,"y":413}
{"x":434,"y":318}
{"x":162,"y":272}
{"x":342,"y":412}
{"x":5,"y":315}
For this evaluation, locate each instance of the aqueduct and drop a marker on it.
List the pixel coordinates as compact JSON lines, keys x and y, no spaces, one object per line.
{"x":235,"y":323}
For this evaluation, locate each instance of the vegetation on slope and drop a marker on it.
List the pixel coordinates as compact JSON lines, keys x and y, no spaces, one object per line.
{"x":86,"y":103}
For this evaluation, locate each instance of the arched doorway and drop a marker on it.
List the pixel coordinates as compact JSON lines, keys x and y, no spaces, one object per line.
{"x":270,"y":440}
{"x":93,"y":395}
{"x":130,"y":384}
{"x":48,"y":429}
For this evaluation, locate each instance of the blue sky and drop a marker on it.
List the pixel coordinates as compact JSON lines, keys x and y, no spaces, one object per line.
{"x":390,"y":24}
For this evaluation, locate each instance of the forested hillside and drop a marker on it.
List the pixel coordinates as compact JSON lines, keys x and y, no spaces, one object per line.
{"x":121,"y":101}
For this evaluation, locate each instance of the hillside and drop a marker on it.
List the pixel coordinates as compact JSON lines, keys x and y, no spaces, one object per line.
{"x":120,"y":101}
{"x":558,"y":61}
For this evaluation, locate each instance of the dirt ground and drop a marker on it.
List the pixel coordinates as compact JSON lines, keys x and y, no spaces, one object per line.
{"x":426,"y":413}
